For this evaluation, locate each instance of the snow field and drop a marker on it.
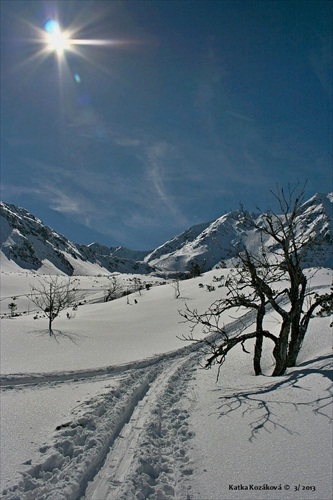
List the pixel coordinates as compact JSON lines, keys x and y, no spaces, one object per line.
{"x":117,"y":407}
{"x":100,"y":334}
{"x":261,"y":431}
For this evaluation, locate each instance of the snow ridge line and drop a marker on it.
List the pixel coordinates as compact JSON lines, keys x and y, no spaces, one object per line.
{"x":81,"y":446}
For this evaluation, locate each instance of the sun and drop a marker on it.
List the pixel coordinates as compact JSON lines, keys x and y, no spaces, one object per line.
{"x":57,"y":40}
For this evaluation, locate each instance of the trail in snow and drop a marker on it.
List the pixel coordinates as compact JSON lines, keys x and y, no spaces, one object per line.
{"x":149,"y":457}
{"x":30,"y":379}
{"x":129,"y":443}
{"x":80,"y":446}
{"x":133,"y":410}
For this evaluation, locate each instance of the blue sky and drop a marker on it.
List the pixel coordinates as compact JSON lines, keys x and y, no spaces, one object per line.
{"x":165,"y":114}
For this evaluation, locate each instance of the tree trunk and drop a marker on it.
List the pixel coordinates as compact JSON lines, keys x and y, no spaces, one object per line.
{"x":280,"y":355}
{"x":297,"y":336}
{"x":298,"y":332}
{"x":259,"y":336}
{"x":257,"y":354}
{"x":294,"y":348}
{"x":50,"y":325}
{"x":281,"y":349}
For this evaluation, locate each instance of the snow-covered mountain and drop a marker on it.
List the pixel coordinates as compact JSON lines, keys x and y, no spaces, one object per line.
{"x":211,"y":244}
{"x":119,"y":252}
{"x":27,"y":242}
{"x":30,"y":244}
{"x":205,"y":245}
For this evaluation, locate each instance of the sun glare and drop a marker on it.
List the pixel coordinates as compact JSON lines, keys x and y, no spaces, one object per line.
{"x":56,"y":40}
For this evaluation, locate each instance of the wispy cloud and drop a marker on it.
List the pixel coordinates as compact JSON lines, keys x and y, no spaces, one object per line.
{"x":158,"y":155}
{"x":74,"y":205}
{"x":66,"y":204}
{"x":111,"y":199}
{"x":239,"y":116}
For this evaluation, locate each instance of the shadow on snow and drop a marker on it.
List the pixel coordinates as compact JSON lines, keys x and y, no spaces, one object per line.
{"x":263,"y":402}
{"x":58,"y":335}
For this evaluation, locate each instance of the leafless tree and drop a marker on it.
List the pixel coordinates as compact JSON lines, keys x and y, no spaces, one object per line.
{"x":113,"y":290}
{"x":176,"y":286}
{"x":12,"y":306}
{"x":54,"y":294}
{"x":270,"y":278}
{"x":137,"y":285}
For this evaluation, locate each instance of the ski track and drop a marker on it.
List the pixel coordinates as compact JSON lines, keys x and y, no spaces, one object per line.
{"x":148,"y":459}
{"x":127,"y":444}
{"x":10,"y":381}
{"x":133,"y":413}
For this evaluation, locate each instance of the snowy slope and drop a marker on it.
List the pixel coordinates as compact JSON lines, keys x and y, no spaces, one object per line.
{"x":116,"y":407}
{"x":210,"y":244}
{"x":317,"y":220}
{"x":30,"y":244}
{"x":215,"y":242}
{"x":120,"y":252}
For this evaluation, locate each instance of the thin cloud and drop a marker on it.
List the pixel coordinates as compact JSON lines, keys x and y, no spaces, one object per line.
{"x":70,"y":204}
{"x":240,"y":116}
{"x":127,"y":141}
{"x":157,"y":156}
{"x":111,"y":202}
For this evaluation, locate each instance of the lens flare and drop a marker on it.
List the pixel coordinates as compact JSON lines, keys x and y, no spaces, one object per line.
{"x":65,"y":43}
{"x":52,"y":27}
{"x":56,"y":39}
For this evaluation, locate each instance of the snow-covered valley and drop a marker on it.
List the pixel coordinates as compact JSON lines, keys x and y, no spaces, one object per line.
{"x":116,"y":406}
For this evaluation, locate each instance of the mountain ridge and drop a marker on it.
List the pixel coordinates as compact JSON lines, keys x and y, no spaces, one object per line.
{"x":26,"y":241}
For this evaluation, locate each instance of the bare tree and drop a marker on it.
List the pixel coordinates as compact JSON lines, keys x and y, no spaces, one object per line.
{"x":176,"y":286}
{"x":114,"y":289}
{"x":270,"y":278}
{"x":137,"y":285}
{"x":53,"y":295}
{"x":12,"y":306}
